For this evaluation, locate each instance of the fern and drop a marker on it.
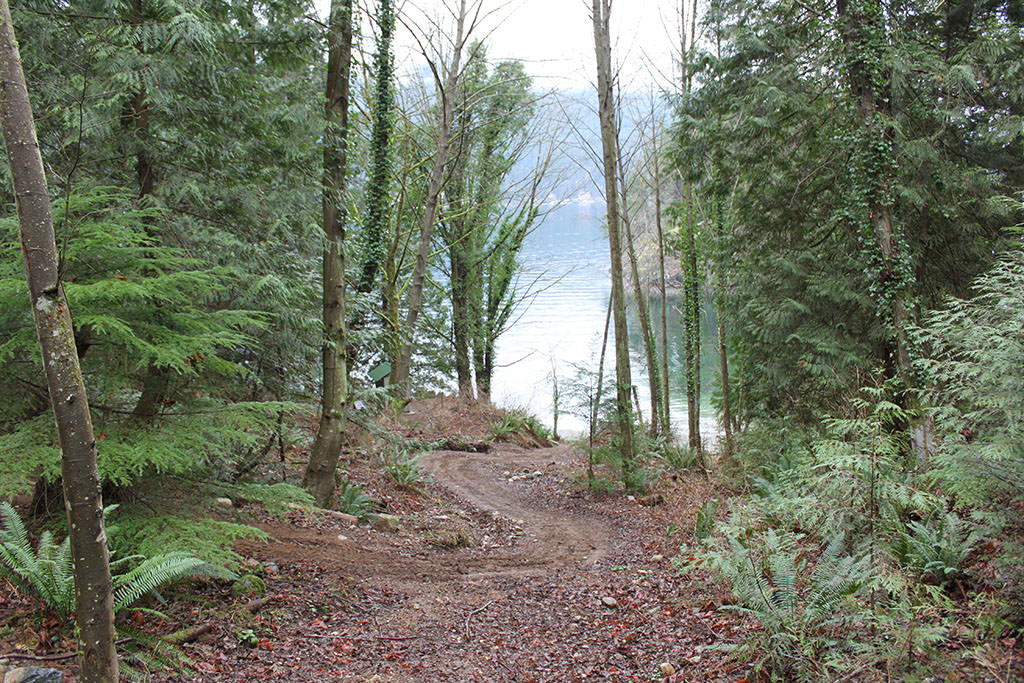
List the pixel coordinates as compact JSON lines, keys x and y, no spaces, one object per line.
{"x":46,"y":573}
{"x":938,"y":551}
{"x":354,"y":501}
{"x":157,"y":571}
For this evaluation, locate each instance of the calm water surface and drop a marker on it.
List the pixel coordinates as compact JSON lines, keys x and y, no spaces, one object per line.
{"x":558,"y":328}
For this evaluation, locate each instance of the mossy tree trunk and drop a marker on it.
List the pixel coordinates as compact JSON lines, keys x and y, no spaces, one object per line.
{"x":323,"y":459}
{"x":83,"y":504}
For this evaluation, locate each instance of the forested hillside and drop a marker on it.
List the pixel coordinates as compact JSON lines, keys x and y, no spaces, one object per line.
{"x":256,"y":259}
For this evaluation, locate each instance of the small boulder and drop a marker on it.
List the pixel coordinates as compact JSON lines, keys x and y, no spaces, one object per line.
{"x":33,"y":675}
{"x":657,"y":558}
{"x":223,"y":502}
{"x":667,"y":669}
{"x":609,"y":601}
{"x":383,"y":522}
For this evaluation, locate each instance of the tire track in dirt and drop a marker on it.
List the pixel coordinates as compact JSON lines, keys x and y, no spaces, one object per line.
{"x":556,"y":537}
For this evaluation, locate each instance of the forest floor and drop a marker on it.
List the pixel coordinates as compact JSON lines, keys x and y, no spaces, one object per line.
{"x":506,"y":567}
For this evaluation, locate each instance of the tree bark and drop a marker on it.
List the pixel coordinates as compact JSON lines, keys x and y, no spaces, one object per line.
{"x":323,"y":459}
{"x":691,"y":326}
{"x":606,"y":111}
{"x":83,"y":504}
{"x":862,"y":27}
{"x":643,"y":310}
{"x":723,"y":360}
{"x":378,"y":192}
{"x":446,"y":86}
{"x":666,"y":419}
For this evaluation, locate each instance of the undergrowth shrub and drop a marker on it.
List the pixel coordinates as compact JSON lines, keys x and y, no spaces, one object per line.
{"x":798,"y":605}
{"x":514,"y":422}
{"x":403,"y":468}
{"x":45,"y":572}
{"x":352,"y":500}
{"x":975,"y":362}
{"x":937,"y":550}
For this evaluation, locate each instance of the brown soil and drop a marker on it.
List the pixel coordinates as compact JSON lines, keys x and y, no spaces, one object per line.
{"x":522,"y":603}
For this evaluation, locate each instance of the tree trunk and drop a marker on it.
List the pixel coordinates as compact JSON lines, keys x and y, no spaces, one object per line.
{"x":378,"y":191}
{"x":723,"y":360}
{"x":862,"y":26}
{"x":643,"y":309}
{"x":595,"y":409}
{"x":691,"y":325}
{"x":461,"y":317}
{"x":665,"y":418}
{"x":323,"y":458}
{"x":83,"y":504}
{"x":606,"y":111}
{"x":446,"y":87}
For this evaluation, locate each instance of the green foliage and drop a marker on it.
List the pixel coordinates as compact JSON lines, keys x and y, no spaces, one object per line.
{"x":801,"y":279}
{"x":937,"y":550}
{"x":517,"y":422}
{"x":149,"y":534}
{"x":45,"y":573}
{"x":352,"y":500}
{"x":975,"y":358}
{"x":403,"y":468}
{"x":798,"y":606}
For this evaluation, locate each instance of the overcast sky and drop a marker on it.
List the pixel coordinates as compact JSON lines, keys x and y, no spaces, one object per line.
{"x":554,"y":38}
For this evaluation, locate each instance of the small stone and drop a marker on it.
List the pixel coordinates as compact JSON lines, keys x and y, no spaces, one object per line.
{"x":383,"y":522}
{"x":667,"y":669}
{"x":33,"y":675}
{"x":271,"y":568}
{"x":223,"y":502}
{"x":631,"y":498}
{"x":609,"y":601}
{"x":657,"y":558}
{"x":342,"y":538}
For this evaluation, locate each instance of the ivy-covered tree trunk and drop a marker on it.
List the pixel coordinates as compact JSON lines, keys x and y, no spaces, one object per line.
{"x":323,"y":458}
{"x":653,"y":371}
{"x":862,"y":24}
{"x":691,"y":322}
{"x":83,"y":504}
{"x":666,"y":422}
{"x":375,"y":245}
{"x":606,"y":112}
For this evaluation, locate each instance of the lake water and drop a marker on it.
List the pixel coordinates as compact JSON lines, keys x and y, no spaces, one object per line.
{"x":559,"y":327}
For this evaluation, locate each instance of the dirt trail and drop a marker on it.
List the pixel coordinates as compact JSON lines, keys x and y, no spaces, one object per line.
{"x":556,"y":537}
{"x":552,"y":583}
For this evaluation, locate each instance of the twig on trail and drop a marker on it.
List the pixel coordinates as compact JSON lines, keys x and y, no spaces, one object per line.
{"x":476,"y":611}
{"x":51,"y":658}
